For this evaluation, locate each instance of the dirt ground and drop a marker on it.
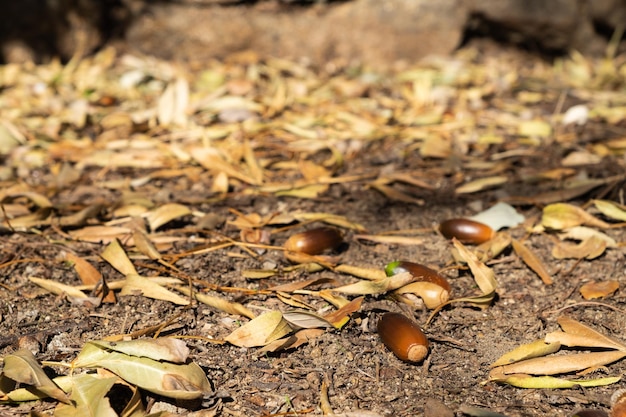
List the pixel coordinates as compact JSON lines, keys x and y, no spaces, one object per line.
{"x":473,"y":103}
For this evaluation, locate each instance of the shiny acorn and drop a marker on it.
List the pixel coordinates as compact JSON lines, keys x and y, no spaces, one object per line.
{"x":466,"y":230}
{"x":312,"y":242}
{"x":403,"y":337}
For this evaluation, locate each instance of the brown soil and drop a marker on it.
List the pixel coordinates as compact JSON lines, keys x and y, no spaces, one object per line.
{"x":361,"y":374}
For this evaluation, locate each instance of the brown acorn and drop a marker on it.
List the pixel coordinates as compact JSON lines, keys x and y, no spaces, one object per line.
{"x":403,"y":337}
{"x":466,"y":230}
{"x":312,"y":242}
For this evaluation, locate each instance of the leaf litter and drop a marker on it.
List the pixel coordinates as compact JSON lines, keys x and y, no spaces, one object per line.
{"x":159,"y":193}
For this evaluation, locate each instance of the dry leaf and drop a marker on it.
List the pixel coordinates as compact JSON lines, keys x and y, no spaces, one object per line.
{"x":137,"y":285}
{"x":527,"y":351}
{"x":561,"y":216}
{"x":532,"y":261}
{"x":560,"y":364}
{"x":260,"y":331}
{"x":165,"y":214}
{"x":611,"y":209}
{"x":595,"y":289}
{"x":21,"y":366}
{"x":481,"y":184}
{"x":116,"y":256}
{"x":378,"y":286}
{"x":589,"y":248}
{"x":576,"y":328}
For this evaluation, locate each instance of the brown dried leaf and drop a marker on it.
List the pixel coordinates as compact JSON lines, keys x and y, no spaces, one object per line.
{"x":532,"y":261}
{"x":589,"y":248}
{"x":595,"y":289}
{"x":576,"y":328}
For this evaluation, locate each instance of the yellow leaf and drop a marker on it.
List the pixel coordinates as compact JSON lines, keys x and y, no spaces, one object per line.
{"x":611,"y":209}
{"x":527,"y":351}
{"x":260,"y":331}
{"x":561,"y":216}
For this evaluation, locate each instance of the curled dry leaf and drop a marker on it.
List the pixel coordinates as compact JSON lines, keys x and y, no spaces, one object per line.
{"x":527,"y":351}
{"x":483,"y":275}
{"x":561,"y":216}
{"x":611,"y":209}
{"x":22,"y":367}
{"x":260,"y":331}
{"x":589,"y":248}
{"x":165,"y":214}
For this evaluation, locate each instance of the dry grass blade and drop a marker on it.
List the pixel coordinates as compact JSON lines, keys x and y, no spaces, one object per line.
{"x":532,"y":261}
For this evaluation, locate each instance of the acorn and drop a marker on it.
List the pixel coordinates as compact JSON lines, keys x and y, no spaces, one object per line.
{"x":466,"y":230}
{"x":312,"y":242}
{"x":429,"y":285}
{"x":403,"y":337}
{"x":419,"y":271}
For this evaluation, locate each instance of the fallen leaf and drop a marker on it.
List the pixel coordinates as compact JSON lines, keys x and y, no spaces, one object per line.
{"x":598,"y":289}
{"x":260,"y":331}
{"x":138,"y":285}
{"x":481,"y":184}
{"x":561,"y":216}
{"x":21,"y":366}
{"x":181,"y":381}
{"x":532,"y":261}
{"x":527,"y":351}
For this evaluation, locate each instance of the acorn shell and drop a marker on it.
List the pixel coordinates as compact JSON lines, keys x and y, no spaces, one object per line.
{"x":466,"y":230}
{"x":403,"y":337}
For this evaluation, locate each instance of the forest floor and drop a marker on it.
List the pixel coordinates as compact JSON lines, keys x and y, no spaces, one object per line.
{"x":202,"y":172}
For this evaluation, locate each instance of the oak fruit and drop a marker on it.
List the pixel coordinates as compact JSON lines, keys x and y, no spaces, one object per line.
{"x":403,"y":337}
{"x":466,"y":230}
